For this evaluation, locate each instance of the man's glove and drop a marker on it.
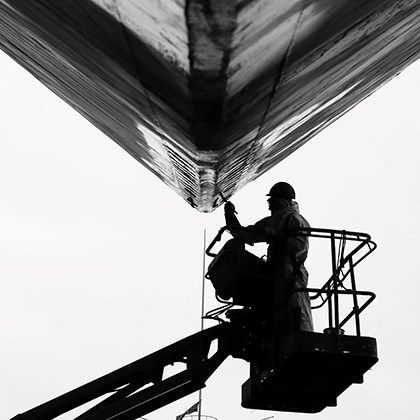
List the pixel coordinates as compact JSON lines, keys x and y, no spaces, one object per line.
{"x":229,"y":209}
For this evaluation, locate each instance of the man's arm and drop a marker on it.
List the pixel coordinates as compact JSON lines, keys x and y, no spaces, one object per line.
{"x":230,"y":216}
{"x":249,"y":234}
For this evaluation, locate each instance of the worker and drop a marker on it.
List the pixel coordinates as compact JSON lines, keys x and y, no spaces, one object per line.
{"x":286,"y":254}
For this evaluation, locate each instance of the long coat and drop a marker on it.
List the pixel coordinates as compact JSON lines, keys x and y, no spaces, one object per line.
{"x":287,"y":254}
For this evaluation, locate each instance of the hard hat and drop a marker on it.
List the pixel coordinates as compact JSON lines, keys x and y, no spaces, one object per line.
{"x":282,"y":190}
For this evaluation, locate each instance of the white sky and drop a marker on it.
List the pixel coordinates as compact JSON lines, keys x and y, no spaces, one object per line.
{"x":100,"y":263}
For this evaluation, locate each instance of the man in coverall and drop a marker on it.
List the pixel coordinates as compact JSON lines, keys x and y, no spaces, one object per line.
{"x":287,"y":255}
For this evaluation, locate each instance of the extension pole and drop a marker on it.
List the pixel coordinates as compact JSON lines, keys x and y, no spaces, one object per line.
{"x":202,"y":308}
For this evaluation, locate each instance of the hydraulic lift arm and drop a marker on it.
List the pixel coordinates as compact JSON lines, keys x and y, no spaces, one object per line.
{"x":128,"y":401}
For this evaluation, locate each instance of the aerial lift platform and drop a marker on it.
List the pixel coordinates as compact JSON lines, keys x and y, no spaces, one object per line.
{"x":306,"y":372}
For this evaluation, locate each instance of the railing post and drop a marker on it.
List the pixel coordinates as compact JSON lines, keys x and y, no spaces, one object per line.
{"x":355,"y":301}
{"x":330,"y":310}
{"x":335,"y":283}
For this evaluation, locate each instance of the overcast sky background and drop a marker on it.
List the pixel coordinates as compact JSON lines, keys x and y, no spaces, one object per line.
{"x":101,"y":263}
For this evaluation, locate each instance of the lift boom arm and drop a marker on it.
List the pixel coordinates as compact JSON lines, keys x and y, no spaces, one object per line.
{"x":128,"y":401}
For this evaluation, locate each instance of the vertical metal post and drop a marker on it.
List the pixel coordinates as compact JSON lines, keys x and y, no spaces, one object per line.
{"x":355,"y":301}
{"x":335,"y":283}
{"x":202,"y":309}
{"x":203,"y":274}
{"x":329,"y":297}
{"x":330,"y":311}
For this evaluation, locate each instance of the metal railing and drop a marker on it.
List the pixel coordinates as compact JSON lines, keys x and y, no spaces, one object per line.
{"x":342,"y":268}
{"x":342,"y":280}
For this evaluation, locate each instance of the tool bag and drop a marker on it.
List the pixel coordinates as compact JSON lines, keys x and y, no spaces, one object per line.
{"x":240,"y":275}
